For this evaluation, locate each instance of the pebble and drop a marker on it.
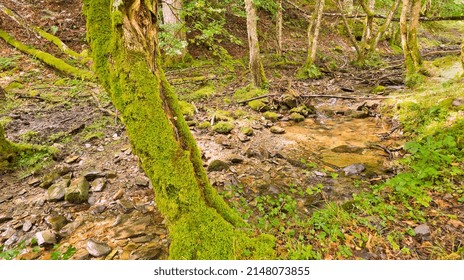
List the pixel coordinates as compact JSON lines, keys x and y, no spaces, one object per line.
{"x":354,"y":169}
{"x":277,"y":130}
{"x":27,"y":226}
{"x":98,"y":185}
{"x":422,"y":229}
{"x":142,"y":181}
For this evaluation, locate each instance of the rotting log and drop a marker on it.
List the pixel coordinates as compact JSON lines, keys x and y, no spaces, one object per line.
{"x":122,"y":36}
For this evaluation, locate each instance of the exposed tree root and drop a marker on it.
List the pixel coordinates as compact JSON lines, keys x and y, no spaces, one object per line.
{"x":47,"y":58}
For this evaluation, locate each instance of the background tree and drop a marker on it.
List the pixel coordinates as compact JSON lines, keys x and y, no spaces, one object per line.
{"x":279,"y":23}
{"x":174,"y":26}
{"x":409,"y":24}
{"x":255,"y":65}
{"x":123,"y":39}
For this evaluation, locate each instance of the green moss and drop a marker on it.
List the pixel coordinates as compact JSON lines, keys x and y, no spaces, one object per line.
{"x":203,"y":93}
{"x":221,"y":115}
{"x":271,"y":116}
{"x":204,"y":125}
{"x":15,"y":85}
{"x":223,"y":127}
{"x":308,"y":72}
{"x":304,"y":110}
{"x":248,"y":131}
{"x":378,"y":89}
{"x":187,"y":109}
{"x":60,"y":82}
{"x":258,"y":105}
{"x":248,"y":92}
{"x":297,"y":117}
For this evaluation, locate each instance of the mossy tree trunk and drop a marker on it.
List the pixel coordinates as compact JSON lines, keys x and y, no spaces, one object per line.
{"x":279,"y":23}
{"x":256,"y":67}
{"x":122,"y":36}
{"x":409,"y":41}
{"x":462,"y":55}
{"x":7,"y":150}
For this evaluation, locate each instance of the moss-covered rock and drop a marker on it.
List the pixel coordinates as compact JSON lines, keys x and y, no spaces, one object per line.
{"x":378,"y":89}
{"x":258,"y":105}
{"x":271,"y":116}
{"x":223,"y":127}
{"x":204,"y":125}
{"x":248,"y":92}
{"x":78,"y":191}
{"x":187,"y":109}
{"x":246,"y":130}
{"x":304,"y":110}
{"x":297,"y":117}
{"x":217,"y":165}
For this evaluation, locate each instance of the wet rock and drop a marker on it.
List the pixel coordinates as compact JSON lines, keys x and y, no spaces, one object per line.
{"x":97,"y":249}
{"x":142,"y":181}
{"x":56,"y":222}
{"x":354,"y":169}
{"x":93,"y":174}
{"x":27,"y":225}
{"x":277,"y":130}
{"x":78,"y":191}
{"x":57,"y":191}
{"x":45,"y":238}
{"x":422,"y":230}
{"x":98,"y":185}
{"x":347,"y":149}
{"x":217,"y":165}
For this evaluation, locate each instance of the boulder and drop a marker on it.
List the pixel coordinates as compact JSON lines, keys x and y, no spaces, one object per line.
{"x":78,"y":191}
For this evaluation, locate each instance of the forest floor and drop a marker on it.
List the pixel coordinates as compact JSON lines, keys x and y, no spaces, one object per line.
{"x":277,"y":169}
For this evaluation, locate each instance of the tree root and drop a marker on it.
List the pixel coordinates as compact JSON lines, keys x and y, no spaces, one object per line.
{"x":47,"y":58}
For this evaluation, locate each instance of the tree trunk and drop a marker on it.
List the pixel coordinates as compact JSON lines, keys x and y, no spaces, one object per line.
{"x":409,"y":42}
{"x":171,"y":10}
{"x":314,"y":37}
{"x":462,"y":55}
{"x":7,"y":150}
{"x":385,"y":26}
{"x":369,"y":24}
{"x":123,"y":39}
{"x":256,"y":67}
{"x":279,"y":22}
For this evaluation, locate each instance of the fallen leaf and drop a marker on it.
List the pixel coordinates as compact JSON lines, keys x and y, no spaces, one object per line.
{"x":456,"y":223}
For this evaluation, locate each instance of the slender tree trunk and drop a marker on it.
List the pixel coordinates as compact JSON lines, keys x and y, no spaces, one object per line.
{"x":171,"y":10}
{"x":369,"y":24}
{"x":313,"y":36}
{"x":348,"y":29}
{"x":256,"y":67}
{"x":123,"y":39}
{"x":279,"y":23}
{"x":462,"y":55}
{"x":385,"y":25}
{"x":409,"y":42}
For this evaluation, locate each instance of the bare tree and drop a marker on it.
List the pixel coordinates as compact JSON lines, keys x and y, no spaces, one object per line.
{"x":255,"y":64}
{"x":409,"y":41}
{"x":279,"y":23}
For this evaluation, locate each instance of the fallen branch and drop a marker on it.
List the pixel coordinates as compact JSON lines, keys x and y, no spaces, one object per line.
{"x":50,"y":37}
{"x":453,"y":18}
{"x":47,"y":58}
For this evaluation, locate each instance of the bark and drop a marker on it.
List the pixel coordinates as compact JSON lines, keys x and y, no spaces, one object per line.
{"x":7,"y":150}
{"x":348,"y":29}
{"x":385,"y":25}
{"x":408,"y":31}
{"x":123,"y":39}
{"x":368,"y":8}
{"x":313,"y":36}
{"x":256,"y":67}
{"x":171,"y":10}
{"x":279,"y":22}
{"x":462,"y":55}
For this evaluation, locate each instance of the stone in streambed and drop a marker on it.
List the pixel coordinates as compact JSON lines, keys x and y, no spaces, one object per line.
{"x":78,"y":191}
{"x":354,"y":169}
{"x":56,"y":191}
{"x":97,"y":249}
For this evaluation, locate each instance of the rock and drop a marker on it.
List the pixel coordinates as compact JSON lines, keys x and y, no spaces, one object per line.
{"x":142,"y":181}
{"x":70,"y":228}
{"x":289,"y":100}
{"x":34,"y":182}
{"x":126,"y":205}
{"x":243,"y":138}
{"x":56,"y":222}
{"x":111,"y":175}
{"x":277,"y":130}
{"x":98,"y":185}
{"x":78,"y":191}
{"x":235,"y":158}
{"x":217,"y":165}
{"x":248,"y":131}
{"x":56,"y":191}
{"x":5,"y":218}
{"x":458,"y":102}
{"x":93,"y":174}
{"x":81,"y":254}
{"x":296,"y":117}
{"x":98,"y":209}
{"x":347,"y":149}
{"x":320,"y":174}
{"x":118,"y":194}
{"x":46,"y":237}
{"x":223,"y":127}
{"x":27,"y":225}
{"x":423,"y":230}
{"x":271,"y":116}
{"x":49,"y":179}
{"x":359,"y":114}
{"x":354,"y":169}
{"x":258,"y":105}
{"x":97,"y":249}
{"x":71,"y":159}
{"x":304,"y":110}
{"x":6,"y":198}
{"x":8,"y":233}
